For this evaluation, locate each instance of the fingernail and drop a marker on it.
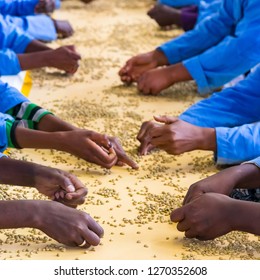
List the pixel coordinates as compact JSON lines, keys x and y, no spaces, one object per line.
{"x":70,"y":188}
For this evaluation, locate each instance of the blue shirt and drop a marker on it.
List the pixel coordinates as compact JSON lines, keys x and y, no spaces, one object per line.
{"x":179,"y":3}
{"x":17,"y":7}
{"x":21,"y":7}
{"x":255,"y":161}
{"x":40,"y":27}
{"x":205,"y":7}
{"x":12,"y":41}
{"x":9,"y":97}
{"x":220,"y":47}
{"x":234,"y":113}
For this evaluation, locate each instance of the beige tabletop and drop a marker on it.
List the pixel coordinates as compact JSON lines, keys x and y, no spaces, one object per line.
{"x":132,"y":206}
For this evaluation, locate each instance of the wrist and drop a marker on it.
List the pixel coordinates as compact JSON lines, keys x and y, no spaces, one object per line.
{"x":28,"y":138}
{"x":207,"y":140}
{"x":243,"y":216}
{"x":160,"y":58}
{"x":179,"y":73}
{"x":38,"y":211}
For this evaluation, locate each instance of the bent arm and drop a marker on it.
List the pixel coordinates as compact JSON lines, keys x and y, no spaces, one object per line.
{"x":235,"y":56}
{"x":209,"y":31}
{"x":233,"y":106}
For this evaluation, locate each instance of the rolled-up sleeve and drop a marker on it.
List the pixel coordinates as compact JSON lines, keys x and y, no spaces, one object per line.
{"x":237,"y":144}
{"x":220,"y":64}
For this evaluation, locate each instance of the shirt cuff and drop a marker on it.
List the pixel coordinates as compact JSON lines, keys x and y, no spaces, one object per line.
{"x":196,"y":71}
{"x":223,"y":155}
{"x":4,"y":138}
{"x":255,"y":161}
{"x":9,"y":63}
{"x":172,"y":54}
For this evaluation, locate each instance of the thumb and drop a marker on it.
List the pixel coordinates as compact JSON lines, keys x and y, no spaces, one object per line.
{"x":177,"y":215}
{"x":71,"y":47}
{"x":66,"y":184}
{"x":166,"y":119}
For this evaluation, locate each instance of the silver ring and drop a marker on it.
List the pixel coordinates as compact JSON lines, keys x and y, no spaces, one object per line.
{"x":82,"y":244}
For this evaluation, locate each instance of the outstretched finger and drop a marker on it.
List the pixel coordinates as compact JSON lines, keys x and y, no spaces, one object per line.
{"x":165,"y":119}
{"x":127,"y":160}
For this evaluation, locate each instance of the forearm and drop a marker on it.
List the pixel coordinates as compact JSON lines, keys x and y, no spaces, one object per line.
{"x":28,"y":138}
{"x":36,"y":46}
{"x":179,"y":73}
{"x":207,"y":140}
{"x":160,"y":58}
{"x":248,"y":176}
{"x":205,"y":35}
{"x":29,"y":61}
{"x":52,"y":123}
{"x":15,"y":172}
{"x":246,"y":217}
{"x":18,"y":214}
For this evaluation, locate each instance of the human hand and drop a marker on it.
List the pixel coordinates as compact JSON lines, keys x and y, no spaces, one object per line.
{"x":208,"y":216}
{"x":139,"y":64}
{"x":223,"y":183}
{"x":59,"y":185}
{"x":144,"y":137}
{"x":67,"y":225}
{"x":90,"y":146}
{"x":63,"y":28}
{"x":165,"y":16}
{"x":107,"y":142}
{"x":123,"y":158}
{"x":45,"y":6}
{"x":155,"y":80}
{"x":65,"y":58}
{"x":177,"y":136}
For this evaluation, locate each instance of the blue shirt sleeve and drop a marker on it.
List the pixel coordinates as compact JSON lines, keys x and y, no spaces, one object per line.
{"x":3,"y":134}
{"x":221,"y":46}
{"x":17,"y":7}
{"x":237,"y":144}
{"x":57,"y":4}
{"x":178,"y":3}
{"x":39,"y":27}
{"x":206,"y":34}
{"x":255,"y":161}
{"x":231,"y":107}
{"x":9,"y":97}
{"x":9,"y":63}
{"x":12,"y":37}
{"x":235,"y":56}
